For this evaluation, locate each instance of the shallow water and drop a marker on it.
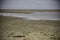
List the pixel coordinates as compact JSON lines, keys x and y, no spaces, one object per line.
{"x":35,"y":15}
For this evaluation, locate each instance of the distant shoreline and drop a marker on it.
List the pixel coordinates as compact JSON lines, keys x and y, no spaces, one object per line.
{"x":25,"y":11}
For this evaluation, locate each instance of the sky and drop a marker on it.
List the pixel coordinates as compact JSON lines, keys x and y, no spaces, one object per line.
{"x":29,"y":4}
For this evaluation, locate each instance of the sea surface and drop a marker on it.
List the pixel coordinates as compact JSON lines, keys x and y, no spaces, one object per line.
{"x":35,"y":15}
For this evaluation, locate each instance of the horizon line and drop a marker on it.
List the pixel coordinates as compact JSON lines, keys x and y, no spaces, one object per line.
{"x":27,"y":10}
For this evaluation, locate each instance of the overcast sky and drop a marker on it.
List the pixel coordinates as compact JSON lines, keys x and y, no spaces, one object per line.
{"x":29,"y":4}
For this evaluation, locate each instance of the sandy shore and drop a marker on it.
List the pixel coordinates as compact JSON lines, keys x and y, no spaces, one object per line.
{"x":13,"y":28}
